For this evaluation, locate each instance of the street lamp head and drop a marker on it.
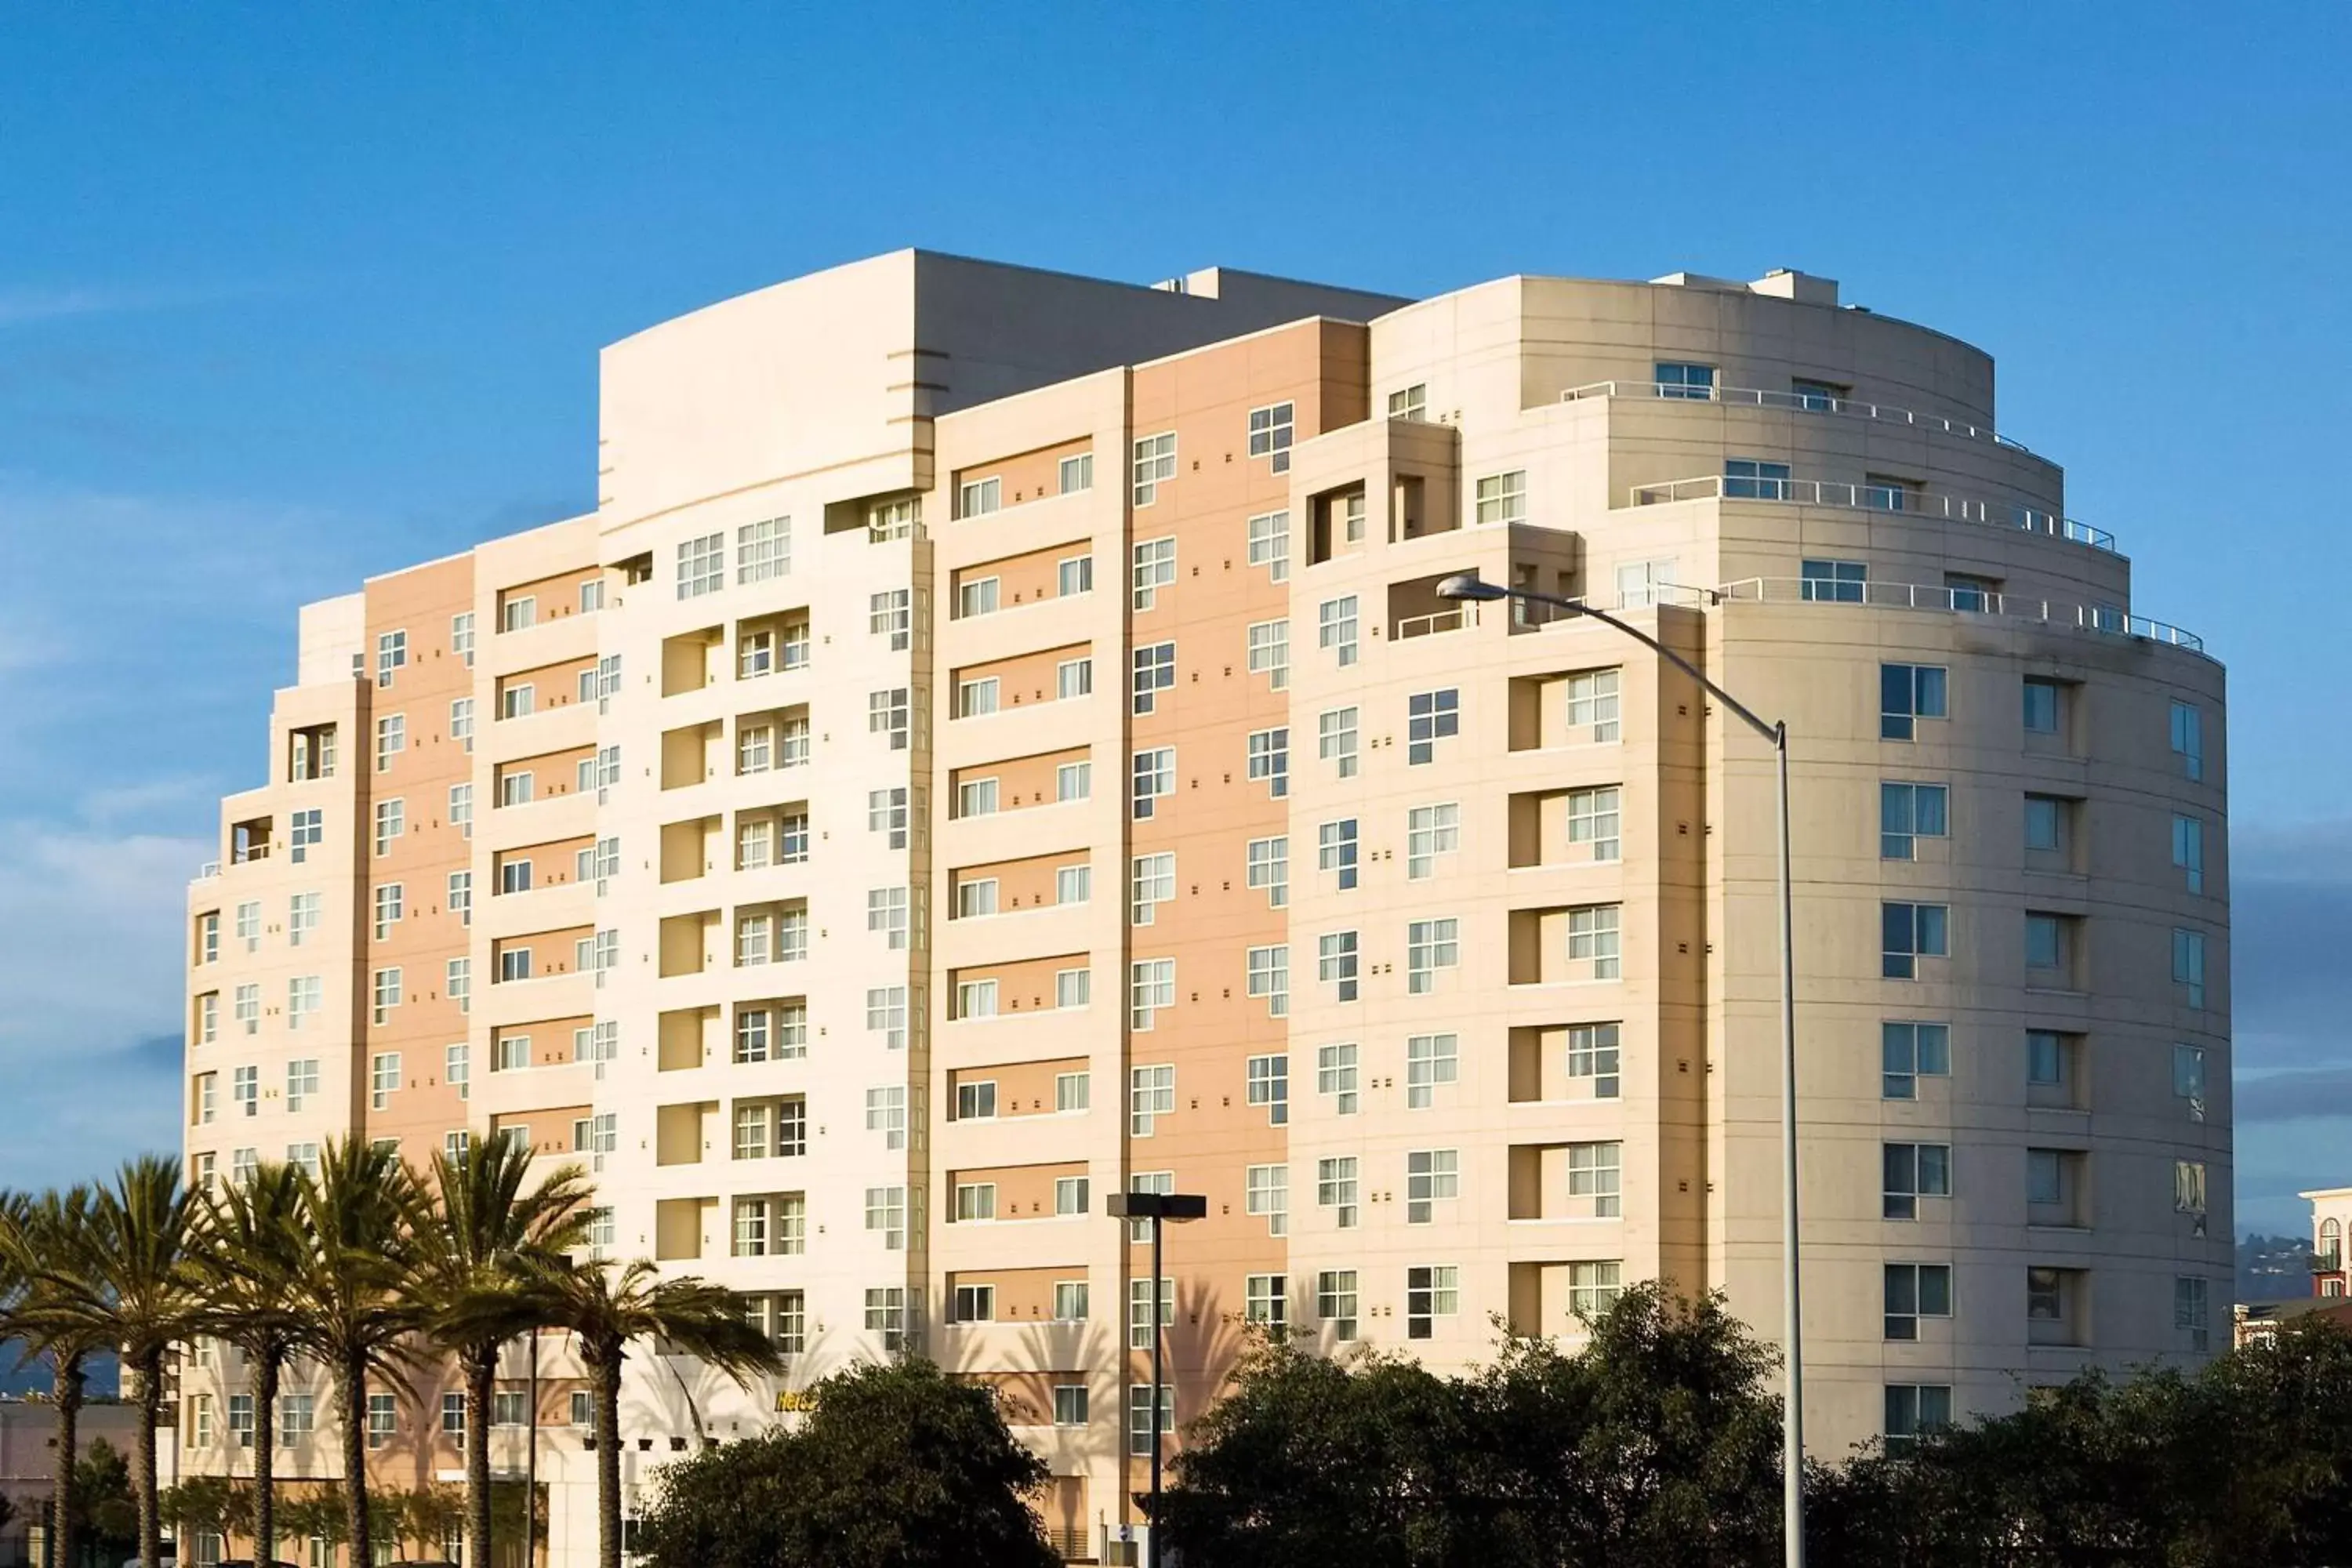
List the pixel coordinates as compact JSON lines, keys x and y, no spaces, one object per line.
{"x":1171,"y":1208}
{"x":1465,"y":585}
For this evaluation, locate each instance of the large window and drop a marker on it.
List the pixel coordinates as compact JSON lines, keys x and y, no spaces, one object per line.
{"x":1155,"y":568}
{"x":1909,"y":1052}
{"x":1269,"y":544}
{"x":1154,"y":672}
{"x":1907,"y":693}
{"x":1430,"y":717}
{"x":1431,"y":1176}
{"x":1911,"y":932}
{"x":763,"y":550}
{"x":1593,"y":706}
{"x":701,"y":566}
{"x":1907,"y":813}
{"x":1270,"y":431}
{"x":1912,"y":1171}
{"x":1915,"y":1290}
{"x":1154,"y":779}
{"x":1155,"y":465}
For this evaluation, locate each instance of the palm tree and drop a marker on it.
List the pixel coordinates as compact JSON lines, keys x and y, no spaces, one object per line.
{"x":351,"y":1295}
{"x":252,"y":1271}
{"x":477,"y":1234}
{"x":34,"y":1231}
{"x":605,"y":1309}
{"x":125,"y":1276}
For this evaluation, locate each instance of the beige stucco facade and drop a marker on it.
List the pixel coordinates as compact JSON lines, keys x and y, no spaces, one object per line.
{"x":997,"y":742}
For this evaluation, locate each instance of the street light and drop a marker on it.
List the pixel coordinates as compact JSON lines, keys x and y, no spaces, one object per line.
{"x":1159,"y":1208}
{"x":1466,"y":587}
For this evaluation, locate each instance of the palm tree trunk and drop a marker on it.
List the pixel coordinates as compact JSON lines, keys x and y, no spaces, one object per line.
{"x":265,"y":1457}
{"x":65,"y":1389}
{"x":481,"y":1368}
{"x":355,"y":1501}
{"x":150,"y":1371}
{"x":608,"y":1458}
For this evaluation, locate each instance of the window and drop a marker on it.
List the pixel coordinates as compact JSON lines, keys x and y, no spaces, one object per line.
{"x":2191,"y":1314}
{"x":1154,"y":778}
{"x":1503,"y":498}
{"x":1592,"y":1053}
{"x":1139,"y":1417}
{"x":1266,"y":1194}
{"x":885,"y":1212}
{"x":885,"y":1315}
{"x":1075,"y":575}
{"x":2050,"y":945}
{"x":1268,"y":1079}
{"x":2188,"y":1079}
{"x":1073,"y":781}
{"x":701,"y":566}
{"x":592,"y":595}
{"x":1140,"y":1324}
{"x":461,"y":637}
{"x":1073,"y":884}
{"x":1070,"y":1303}
{"x":386,"y":992}
{"x":1152,"y":985}
{"x":1430,"y":1293}
{"x":1592,"y":818}
{"x":972,"y":1304}
{"x":2041,"y":706}
{"x":978,"y":498}
{"x":240,"y":1419}
{"x":391,"y":822}
{"x":1907,"y":693}
{"x":459,"y":983}
{"x":1907,"y":813}
{"x":2046,"y":1059}
{"x":302,"y":1083}
{"x":1335,"y":627}
{"x":976,"y":1101}
{"x":1595,"y":1177}
{"x":1915,"y":1290}
{"x":1915,"y":1410}
{"x":383,"y":1420}
{"x":1269,"y":652}
{"x":1335,"y":739}
{"x":2188,"y":965}
{"x":2189,"y":740}
{"x":976,"y":698}
{"x":1070,"y":1194}
{"x":1593,"y":933}
{"x":1269,"y":759}
{"x":391,"y":740}
{"x":1073,"y":678}
{"x":304,"y":996}
{"x":1336,"y":962}
{"x":1151,"y":884}
{"x":977,"y":597}
{"x":1912,"y":1171}
{"x":1069,"y":1403}
{"x":1908,"y":1052}
{"x":1750,"y":478}
{"x":518,"y":701}
{"x":1154,"y":672}
{"x":885,"y":1113}
{"x":886,"y":714}
{"x":1593,"y":1288}
{"x":1155,"y":465}
{"x":1690,"y":381}
{"x":1430,"y":1176}
{"x":1078,"y":473}
{"x":1073,"y":1092}
{"x":885,"y":1015}
{"x":307,"y":831}
{"x":1335,"y":1302}
{"x":2045,"y":824}
{"x":1411,"y":403}
{"x":1911,"y":932}
{"x":976,"y":797}
{"x":975,"y":999}
{"x":1593,"y":706}
{"x":2188,"y":1189}
{"x":1269,"y":544}
{"x":1268,"y":971}
{"x":2188,"y":851}
{"x":1267,"y":866}
{"x":976,"y":897}
{"x":1429,"y":946}
{"x":1336,"y":1074}
{"x":511,"y":1053}
{"x":1429,"y":1060}
{"x":890,"y":615}
{"x":1834,"y":582}
{"x":296,"y":1416}
{"x":1430,"y":717}
{"x":1151,"y":1094}
{"x":514,"y":963}
{"x":886,"y":912}
{"x":1269,"y":434}
{"x":248,"y":1009}
{"x":391,"y":653}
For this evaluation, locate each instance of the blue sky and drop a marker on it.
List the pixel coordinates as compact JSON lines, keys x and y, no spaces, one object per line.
{"x":289,"y":296}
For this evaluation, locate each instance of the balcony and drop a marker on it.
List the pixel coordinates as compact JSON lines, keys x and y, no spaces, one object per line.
{"x":2105,"y":619}
{"x":1897,"y":500}
{"x":1797,"y":402}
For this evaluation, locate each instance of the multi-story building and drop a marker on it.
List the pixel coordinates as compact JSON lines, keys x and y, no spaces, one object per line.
{"x":2331,"y":1217}
{"x":998,"y":741}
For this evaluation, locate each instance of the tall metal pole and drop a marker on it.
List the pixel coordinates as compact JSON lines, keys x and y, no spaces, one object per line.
{"x":530,"y":1466}
{"x":1793,"y":1409}
{"x":1156,"y":1224}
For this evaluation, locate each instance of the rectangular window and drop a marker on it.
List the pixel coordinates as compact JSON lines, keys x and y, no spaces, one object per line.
{"x":1155,"y":465}
{"x":1912,"y":1171}
{"x":1595,"y":1177}
{"x":1335,"y":628}
{"x":1335,"y":740}
{"x":391,"y":653}
{"x":1593,"y":1288}
{"x":1153,"y":671}
{"x":976,"y":897}
{"x":1907,"y":693}
{"x":1429,"y":1060}
{"x":1269,"y":544}
{"x":1070,"y":1402}
{"x":1907,"y":813}
{"x":2045,"y":824}
{"x":701,"y":566}
{"x":1152,"y":883}
{"x":2188,"y":965}
{"x":1503,"y":498}
{"x":1592,"y":698}
{"x":1431,"y":1176}
{"x":975,"y":999}
{"x":391,"y":823}
{"x":1915,"y":1290}
{"x":978,"y":498}
{"x":1070,"y":1195}
{"x":302,"y":1083}
{"x":1337,"y":1075}
{"x":2188,"y":851}
{"x":1430,"y":717}
{"x":1685,"y":381}
{"x":885,"y":1213}
{"x":1430,"y":1293}
{"x":1336,"y":1189}
{"x":1269,"y":652}
{"x":1140,"y":1324}
{"x":1139,"y":1417}
{"x":886,"y":714}
{"x":1155,"y":568}
{"x":1152,"y":986}
{"x":1154,"y":779}
{"x":1270,"y":430}
{"x":2189,"y":738}
{"x":885,"y":1015}
{"x":2041,"y":708}
{"x":976,"y":1101}
{"x":1434,"y":830}
{"x":2050,"y":949}
{"x":391,"y":740}
{"x":1268,"y":1080}
{"x":1335,"y":1302}
{"x":461,"y":637}
{"x":886,"y":912}
{"x":1078,"y":473}
{"x":1070,"y":1302}
{"x":1151,"y":1094}
{"x":1073,"y":678}
{"x":1911,"y":932}
{"x":1336,"y":963}
{"x":1593,"y":819}
{"x":1073,"y":781}
{"x":1269,"y":759}
{"x":977,"y":699}
{"x":1915,"y":1410}
{"x":1592,"y":1053}
{"x":1073,"y":884}
{"x":890,"y":615}
{"x":1752,"y":479}
{"x":2191,"y":1314}
{"x":387,"y":991}
{"x":1073,"y":1092}
{"x":1266,"y":863}
{"x":1594,"y":940}
{"x":1833,"y":581}
{"x":2188,"y":1079}
{"x":1410,"y":403}
{"x":1909,"y":1052}
{"x":1266,"y":1194}
{"x":977,"y":597}
{"x":1268,"y":970}
{"x":1429,"y":946}
{"x":975,"y":1203}
{"x":886,"y":1316}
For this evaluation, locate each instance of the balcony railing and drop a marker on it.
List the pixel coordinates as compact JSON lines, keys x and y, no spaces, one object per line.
{"x":2102,"y":618}
{"x":207,"y":871}
{"x":1800,"y":402}
{"x":1430,"y":625}
{"x":1895,"y":499}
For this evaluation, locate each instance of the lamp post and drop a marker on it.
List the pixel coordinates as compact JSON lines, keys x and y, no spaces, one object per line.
{"x":1467,"y":588}
{"x":1160,"y":1209}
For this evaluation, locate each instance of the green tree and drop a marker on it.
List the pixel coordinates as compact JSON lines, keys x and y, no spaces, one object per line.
{"x":105,"y":1512}
{"x":486,"y":1244}
{"x":896,"y":1467}
{"x":251,"y":1273}
{"x":606,"y":1307}
{"x":32,"y":1232}
{"x":430,"y":1515}
{"x":352,"y":1299}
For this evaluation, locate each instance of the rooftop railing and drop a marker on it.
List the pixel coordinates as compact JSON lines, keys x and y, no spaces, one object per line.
{"x":2103,"y":618}
{"x":1898,"y":499}
{"x":1800,"y":402}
